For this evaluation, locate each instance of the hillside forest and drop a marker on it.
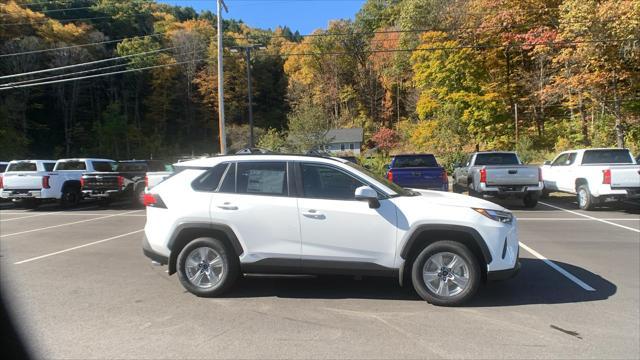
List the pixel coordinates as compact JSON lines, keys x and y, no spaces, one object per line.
{"x":441,"y":76}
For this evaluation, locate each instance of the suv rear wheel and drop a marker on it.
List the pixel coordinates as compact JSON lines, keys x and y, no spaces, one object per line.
{"x":207,"y":267}
{"x":446,"y":273}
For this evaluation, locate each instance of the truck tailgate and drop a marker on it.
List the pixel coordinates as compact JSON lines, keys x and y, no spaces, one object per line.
{"x":512,"y":175}
{"x":26,"y":180}
{"x":419,"y":178}
{"x":100,"y":181}
{"x":625,"y":176}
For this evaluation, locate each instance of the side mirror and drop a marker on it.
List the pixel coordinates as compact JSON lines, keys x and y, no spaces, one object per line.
{"x":365,"y":193}
{"x":547,"y":162}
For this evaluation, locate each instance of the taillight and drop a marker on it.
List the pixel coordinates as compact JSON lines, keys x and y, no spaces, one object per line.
{"x":120,"y":181}
{"x":146,"y":181}
{"x":606,"y":177}
{"x":390,"y":175}
{"x":153,"y":200}
{"x":539,"y":175}
{"x":81,"y":182}
{"x":483,"y":176}
{"x":45,"y":182}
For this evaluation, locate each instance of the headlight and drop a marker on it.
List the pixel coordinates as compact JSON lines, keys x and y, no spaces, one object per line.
{"x":497,"y":215}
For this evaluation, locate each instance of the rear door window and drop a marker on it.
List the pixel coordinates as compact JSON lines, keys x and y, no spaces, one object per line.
{"x":22,"y":166}
{"x":613,"y":156}
{"x":262,"y":178}
{"x":71,"y":165}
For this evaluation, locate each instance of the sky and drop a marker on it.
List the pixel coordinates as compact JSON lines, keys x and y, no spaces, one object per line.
{"x":302,"y":15}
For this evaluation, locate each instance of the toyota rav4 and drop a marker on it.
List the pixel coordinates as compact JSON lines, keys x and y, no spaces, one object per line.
{"x":221,"y":217}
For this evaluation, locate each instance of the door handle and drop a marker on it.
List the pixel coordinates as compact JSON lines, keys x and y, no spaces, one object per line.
{"x":313,"y":214}
{"x":228,"y":206}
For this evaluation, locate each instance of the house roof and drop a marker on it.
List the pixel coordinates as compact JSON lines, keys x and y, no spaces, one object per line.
{"x":345,"y":135}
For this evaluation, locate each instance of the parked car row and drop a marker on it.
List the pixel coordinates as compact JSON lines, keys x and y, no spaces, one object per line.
{"x":68,"y":181}
{"x":595,"y":176}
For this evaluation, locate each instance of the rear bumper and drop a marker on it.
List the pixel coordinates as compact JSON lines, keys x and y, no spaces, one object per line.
{"x":148,"y":252}
{"x":501,"y":275}
{"x":510,"y":189}
{"x":103,"y":194}
{"x":21,"y":194}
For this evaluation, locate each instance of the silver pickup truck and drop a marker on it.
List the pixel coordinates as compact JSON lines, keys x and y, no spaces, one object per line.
{"x":500,"y":174}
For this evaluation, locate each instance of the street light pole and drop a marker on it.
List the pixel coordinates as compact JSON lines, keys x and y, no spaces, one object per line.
{"x":222,"y":134}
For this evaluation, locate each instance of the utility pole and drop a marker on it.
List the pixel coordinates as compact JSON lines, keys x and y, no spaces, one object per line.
{"x":223,"y":135}
{"x":516,"y":113}
{"x":247,"y":49}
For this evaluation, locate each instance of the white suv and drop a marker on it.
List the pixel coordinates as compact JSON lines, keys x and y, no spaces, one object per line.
{"x":220,"y":217}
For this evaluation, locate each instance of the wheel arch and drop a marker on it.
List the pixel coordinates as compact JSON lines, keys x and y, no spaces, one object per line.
{"x":580,"y":181}
{"x":425,"y":235}
{"x":186,"y":232}
{"x":70,"y":183}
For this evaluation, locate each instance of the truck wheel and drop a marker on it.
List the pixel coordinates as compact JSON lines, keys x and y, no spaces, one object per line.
{"x":585,"y":200}
{"x":70,"y":197}
{"x":530,"y":200}
{"x":207,"y":267}
{"x":544,"y":194}
{"x":456,"y":188}
{"x":446,"y":273}
{"x":474,"y":193}
{"x":136,"y":199}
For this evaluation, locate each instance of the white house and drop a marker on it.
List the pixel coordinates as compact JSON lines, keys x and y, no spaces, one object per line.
{"x":344,"y":140}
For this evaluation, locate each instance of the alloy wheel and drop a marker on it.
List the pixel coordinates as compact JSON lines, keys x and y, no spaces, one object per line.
{"x":446,"y":274}
{"x":204,"y":267}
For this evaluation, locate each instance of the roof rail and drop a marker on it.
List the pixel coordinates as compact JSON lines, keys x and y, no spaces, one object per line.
{"x":253,"y":150}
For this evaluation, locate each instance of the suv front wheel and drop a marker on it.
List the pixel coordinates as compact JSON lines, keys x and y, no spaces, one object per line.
{"x":207,"y":267}
{"x":446,"y":273}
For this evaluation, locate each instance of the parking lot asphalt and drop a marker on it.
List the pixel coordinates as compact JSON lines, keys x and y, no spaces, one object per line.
{"x":78,"y":286}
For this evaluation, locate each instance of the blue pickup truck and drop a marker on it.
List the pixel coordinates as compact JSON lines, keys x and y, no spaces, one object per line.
{"x":418,"y":171}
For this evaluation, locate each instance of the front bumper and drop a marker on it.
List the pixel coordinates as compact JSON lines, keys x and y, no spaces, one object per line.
{"x":148,"y":252}
{"x":500,"y":275}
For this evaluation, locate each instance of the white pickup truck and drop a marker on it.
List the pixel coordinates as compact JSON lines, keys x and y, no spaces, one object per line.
{"x":31,"y":182}
{"x":594,"y":175}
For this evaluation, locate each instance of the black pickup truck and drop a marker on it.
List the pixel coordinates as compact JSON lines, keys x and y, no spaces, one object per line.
{"x":126,"y":181}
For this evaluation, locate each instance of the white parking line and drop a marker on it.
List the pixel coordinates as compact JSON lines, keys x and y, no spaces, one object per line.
{"x":65,"y":224}
{"x":61,"y":213}
{"x":22,"y":217}
{"x":573,"y":219}
{"x":590,"y":217}
{"x":77,"y":247}
{"x":562,"y":271}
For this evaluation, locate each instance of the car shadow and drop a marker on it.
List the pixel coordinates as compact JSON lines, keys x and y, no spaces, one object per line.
{"x":536,"y":283}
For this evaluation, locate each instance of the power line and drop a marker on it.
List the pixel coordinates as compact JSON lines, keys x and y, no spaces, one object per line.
{"x":99,"y":75}
{"x":58,"y":20}
{"x":11,"y":84}
{"x":88,"y":63}
{"x":55,"y":10}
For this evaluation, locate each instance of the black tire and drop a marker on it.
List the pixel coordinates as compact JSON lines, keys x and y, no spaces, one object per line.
{"x":473,"y":272}
{"x":474,"y":193}
{"x":589,"y":202}
{"x":230,"y":268}
{"x":136,"y":196}
{"x":29,"y":203}
{"x":544,"y":194}
{"x":530,"y":200}
{"x":71,"y":197}
{"x":456,"y":188}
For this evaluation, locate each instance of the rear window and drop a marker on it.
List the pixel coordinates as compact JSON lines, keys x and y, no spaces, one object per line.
{"x":71,"y":165}
{"x":159,"y":166}
{"x":607,"y":157}
{"x":131,"y":167}
{"x":415,"y":161}
{"x":22,"y":166}
{"x":103,"y":166}
{"x":210,"y":180}
{"x":48,"y":166}
{"x":497,"y":159}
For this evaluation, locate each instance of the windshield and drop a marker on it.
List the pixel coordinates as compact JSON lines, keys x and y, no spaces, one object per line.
{"x":497,"y":159}
{"x":407,"y":161}
{"x":398,"y":190}
{"x":607,"y":157}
